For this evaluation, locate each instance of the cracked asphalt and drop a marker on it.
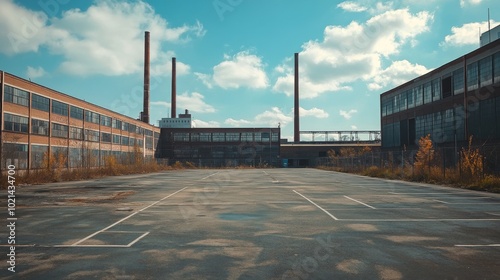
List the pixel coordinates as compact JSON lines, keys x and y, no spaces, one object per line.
{"x":251,"y":224}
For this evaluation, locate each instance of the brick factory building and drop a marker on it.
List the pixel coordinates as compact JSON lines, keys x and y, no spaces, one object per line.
{"x":37,"y":121}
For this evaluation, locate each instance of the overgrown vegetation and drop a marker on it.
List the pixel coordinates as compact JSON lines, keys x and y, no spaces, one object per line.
{"x":55,"y":168}
{"x":469,"y":174}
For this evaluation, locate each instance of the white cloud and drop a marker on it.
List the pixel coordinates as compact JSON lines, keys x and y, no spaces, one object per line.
{"x":237,"y":123}
{"x":348,"y":114}
{"x":276,"y":116}
{"x":353,"y":127}
{"x":271,"y":118}
{"x":199,"y":123}
{"x":105,"y":39}
{"x":464,"y":3}
{"x":194,"y":102}
{"x":467,"y":34}
{"x":351,"y":7}
{"x":398,"y":73}
{"x":351,"y":53}
{"x":242,"y":70}
{"x":314,"y":112}
{"x":34,"y":73}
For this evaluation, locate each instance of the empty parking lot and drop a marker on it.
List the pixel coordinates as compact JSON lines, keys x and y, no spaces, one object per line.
{"x":252,"y":224}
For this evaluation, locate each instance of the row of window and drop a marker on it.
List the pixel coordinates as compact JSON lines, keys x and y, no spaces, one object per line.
{"x":483,"y":122}
{"x":21,"y":97}
{"x":41,"y":127}
{"x":479,"y":74}
{"x":226,"y":137}
{"x":17,"y":154}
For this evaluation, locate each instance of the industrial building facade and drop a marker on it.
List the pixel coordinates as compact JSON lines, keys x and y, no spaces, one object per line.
{"x":38,"y":122}
{"x":451,"y":103}
{"x":221,"y":147}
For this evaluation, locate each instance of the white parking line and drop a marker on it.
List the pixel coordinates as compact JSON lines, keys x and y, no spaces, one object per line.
{"x":209,"y":176}
{"x":486,"y":245}
{"x":319,"y":207}
{"x":131,"y":215}
{"x":359,"y":202}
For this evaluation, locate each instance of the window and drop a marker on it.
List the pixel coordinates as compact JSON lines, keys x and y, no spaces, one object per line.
{"x":148,"y":132}
{"x":116,"y":124}
{"x":205,"y":137}
{"x":105,"y":121}
{"x":427,"y":93}
{"x":485,"y":71}
{"x":16,"y":154}
{"x":181,"y":137}
{"x":16,"y":96}
{"x":91,"y":135}
{"x":218,"y":137}
{"x":246,"y":137}
{"x":116,"y":139}
{"x":458,"y":81}
{"x":59,"y":130}
{"x":131,"y":128}
{"x":125,"y":141}
{"x":418,"y":94}
{"x":76,"y":113}
{"x":39,"y":102}
{"x":76,"y":133}
{"x":403,"y":101}
{"x":232,"y":137}
{"x":472,"y":76}
{"x":395,"y":106}
{"x":131,"y":141}
{"x":105,"y":137}
{"x":15,"y":123}
{"x":59,"y":108}
{"x":436,"y":89}
{"x":265,"y":136}
{"x":446,"y":86}
{"x":39,"y":127}
{"x":38,"y":155}
{"x":411,"y":99}
{"x":91,"y":117}
{"x":125,"y":126}
{"x":496,"y":67}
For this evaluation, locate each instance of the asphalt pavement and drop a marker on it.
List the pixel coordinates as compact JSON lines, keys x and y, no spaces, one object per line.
{"x":249,"y":224}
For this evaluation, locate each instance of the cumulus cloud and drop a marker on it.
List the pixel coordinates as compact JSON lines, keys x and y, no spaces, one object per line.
{"x":347,"y":114}
{"x":397,"y":73}
{"x":194,"y":102}
{"x":241,"y":70}
{"x":350,"y":53}
{"x":276,"y":116}
{"x":314,"y":112}
{"x":105,"y":39}
{"x":350,"y":6}
{"x":199,"y":123}
{"x":466,"y":34}
{"x":464,"y":3}
{"x":34,"y":73}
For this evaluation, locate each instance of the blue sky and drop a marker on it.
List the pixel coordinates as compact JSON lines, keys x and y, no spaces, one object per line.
{"x":235,"y":57}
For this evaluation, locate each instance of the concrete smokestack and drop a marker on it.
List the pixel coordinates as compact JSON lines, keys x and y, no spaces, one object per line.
{"x":174,"y":89}
{"x":145,"y":111}
{"x":296,"y":133}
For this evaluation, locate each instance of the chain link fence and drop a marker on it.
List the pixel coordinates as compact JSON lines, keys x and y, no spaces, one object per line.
{"x":443,"y":160}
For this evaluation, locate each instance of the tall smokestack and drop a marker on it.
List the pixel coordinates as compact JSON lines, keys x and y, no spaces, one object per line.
{"x":296,"y":133}
{"x":145,"y":111}
{"x":174,"y":89}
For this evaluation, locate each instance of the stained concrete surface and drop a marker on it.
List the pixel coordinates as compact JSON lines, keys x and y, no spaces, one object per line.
{"x":252,"y":224}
